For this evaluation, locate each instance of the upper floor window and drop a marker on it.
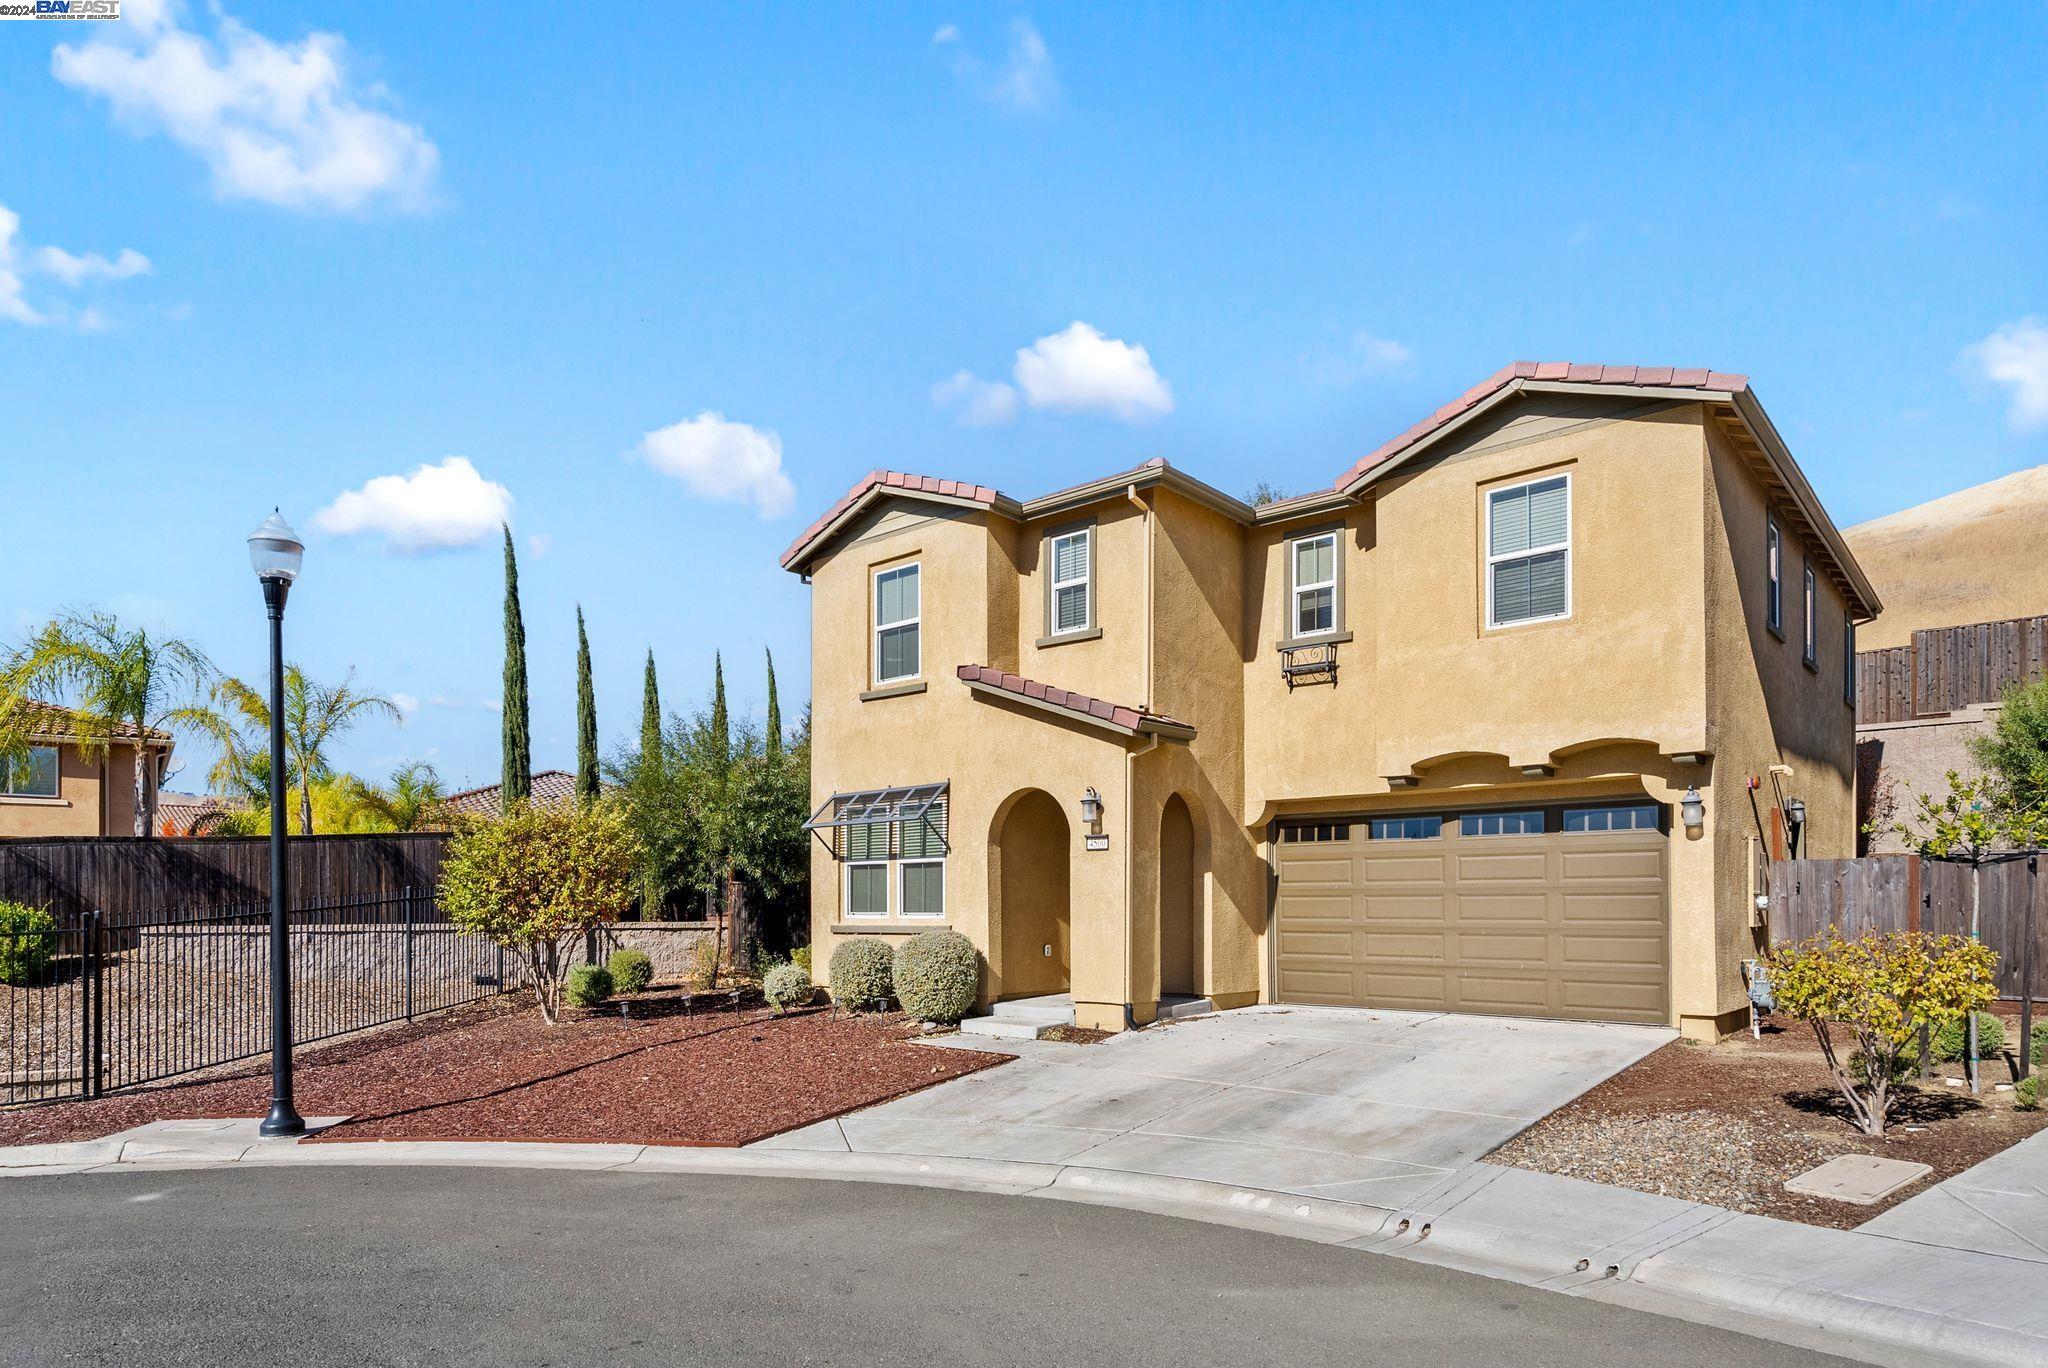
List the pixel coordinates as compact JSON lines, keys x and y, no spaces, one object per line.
{"x":1070,"y":602}
{"x":1314,"y":592}
{"x":31,"y":775}
{"x":1848,"y":659}
{"x":1529,"y":552}
{"x":1809,"y":606}
{"x":896,"y":624}
{"x":1774,"y":576}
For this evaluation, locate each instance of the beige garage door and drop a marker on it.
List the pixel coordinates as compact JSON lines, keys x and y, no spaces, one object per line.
{"x":1556,"y":911}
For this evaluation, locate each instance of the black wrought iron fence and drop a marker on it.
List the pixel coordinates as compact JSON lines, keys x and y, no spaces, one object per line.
{"x":173,"y":993}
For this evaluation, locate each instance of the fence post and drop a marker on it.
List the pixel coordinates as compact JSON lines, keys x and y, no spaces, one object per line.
{"x":405,"y":901}
{"x":2029,"y":929}
{"x":96,"y":1075}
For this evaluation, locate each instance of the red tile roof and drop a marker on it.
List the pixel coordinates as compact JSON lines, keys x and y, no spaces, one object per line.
{"x":1570,"y":372}
{"x":890,"y":479}
{"x":1116,"y":714}
{"x":48,"y":722}
{"x":549,"y":787}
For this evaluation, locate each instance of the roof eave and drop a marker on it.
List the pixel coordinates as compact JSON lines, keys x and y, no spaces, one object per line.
{"x":1751,"y":410}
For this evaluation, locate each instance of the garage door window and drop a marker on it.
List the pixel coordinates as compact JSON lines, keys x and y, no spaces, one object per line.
{"x":1501,"y":824}
{"x":1406,"y":828}
{"x":1630,"y":817}
{"x":1316,"y":831}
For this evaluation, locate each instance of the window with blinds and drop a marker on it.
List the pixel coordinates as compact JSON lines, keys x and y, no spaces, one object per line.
{"x":33,"y":774}
{"x":1315,"y":584}
{"x":1528,"y":552}
{"x":896,"y":624}
{"x":1071,"y":606}
{"x":913,"y":852}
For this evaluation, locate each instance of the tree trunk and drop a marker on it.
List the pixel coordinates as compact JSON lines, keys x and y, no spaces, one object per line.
{"x":144,"y":825}
{"x":305,"y":807}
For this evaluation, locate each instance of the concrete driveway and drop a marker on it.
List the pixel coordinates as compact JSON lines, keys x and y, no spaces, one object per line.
{"x":1339,"y":1103}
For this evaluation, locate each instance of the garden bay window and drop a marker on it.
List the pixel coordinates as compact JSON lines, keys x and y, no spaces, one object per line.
{"x":893,"y":844}
{"x":896,"y":624}
{"x":1315,"y":585}
{"x":1528,"y":552}
{"x":32,"y":774}
{"x":1070,"y":606}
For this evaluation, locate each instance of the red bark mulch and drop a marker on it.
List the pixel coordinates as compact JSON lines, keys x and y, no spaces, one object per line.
{"x":495,"y":1071}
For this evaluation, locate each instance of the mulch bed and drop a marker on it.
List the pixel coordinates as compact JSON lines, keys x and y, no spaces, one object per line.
{"x":496,"y":1071}
{"x":1728,"y":1124}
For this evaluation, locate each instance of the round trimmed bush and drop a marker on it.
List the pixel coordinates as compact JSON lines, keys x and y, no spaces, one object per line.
{"x":2026,"y":1094}
{"x":631,"y":970}
{"x":588,"y":985}
{"x":2040,"y":1039}
{"x":860,"y":973}
{"x":1952,"y":1040}
{"x":938,"y":974}
{"x":26,"y":940}
{"x":787,"y":987}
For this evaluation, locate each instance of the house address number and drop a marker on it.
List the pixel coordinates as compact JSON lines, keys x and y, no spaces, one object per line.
{"x":1095,"y":842}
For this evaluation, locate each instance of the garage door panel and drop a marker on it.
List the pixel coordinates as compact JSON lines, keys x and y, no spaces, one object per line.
{"x":1560,"y":924}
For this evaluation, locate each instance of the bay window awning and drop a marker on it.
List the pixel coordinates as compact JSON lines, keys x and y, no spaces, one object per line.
{"x":918,"y":809}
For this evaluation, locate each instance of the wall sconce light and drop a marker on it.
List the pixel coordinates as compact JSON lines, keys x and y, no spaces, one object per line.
{"x":1692,"y":810}
{"x":1091,"y":809}
{"x":1795,"y":823}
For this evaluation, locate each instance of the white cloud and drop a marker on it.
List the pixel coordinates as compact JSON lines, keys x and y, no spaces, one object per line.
{"x":282,"y":123}
{"x":1081,"y":371}
{"x":405,"y":703}
{"x":1364,"y":357}
{"x":1023,"y":83}
{"x":436,"y":508}
{"x":19,"y":263}
{"x":719,"y":459}
{"x":976,"y":402}
{"x":2015,"y":357}
{"x":540,"y":543}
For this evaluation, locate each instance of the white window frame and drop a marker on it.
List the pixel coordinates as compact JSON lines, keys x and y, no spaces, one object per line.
{"x":1086,"y":535}
{"x":903,"y":867}
{"x":1774,"y":576}
{"x":1493,"y":561}
{"x":7,"y":789}
{"x":1298,"y":589}
{"x":915,"y":620}
{"x":887,"y":891}
{"x":1809,"y":600}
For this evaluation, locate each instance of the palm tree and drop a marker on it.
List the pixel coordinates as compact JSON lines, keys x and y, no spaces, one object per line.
{"x":413,"y":801}
{"x":119,"y":682}
{"x":315,"y":715}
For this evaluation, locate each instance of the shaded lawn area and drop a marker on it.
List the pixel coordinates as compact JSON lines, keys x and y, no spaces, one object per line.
{"x":495,"y":1071}
{"x":1728,"y":1124}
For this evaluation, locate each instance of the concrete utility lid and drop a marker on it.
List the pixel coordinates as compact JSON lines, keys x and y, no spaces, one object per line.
{"x":1859,"y":1178}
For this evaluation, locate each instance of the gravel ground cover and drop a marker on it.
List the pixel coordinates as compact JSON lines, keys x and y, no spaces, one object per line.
{"x":494,"y":1070}
{"x":1728,"y":1124}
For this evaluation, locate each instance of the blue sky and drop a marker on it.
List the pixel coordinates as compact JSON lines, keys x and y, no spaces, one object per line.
{"x":550,"y":243}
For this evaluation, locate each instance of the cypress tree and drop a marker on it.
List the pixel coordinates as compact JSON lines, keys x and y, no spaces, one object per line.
{"x":515,"y":784}
{"x":774,"y":738}
{"x":650,"y":714}
{"x":721,"y":725}
{"x":586,"y":717}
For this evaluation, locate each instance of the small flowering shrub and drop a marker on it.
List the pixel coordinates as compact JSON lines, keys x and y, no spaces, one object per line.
{"x":787,"y":987}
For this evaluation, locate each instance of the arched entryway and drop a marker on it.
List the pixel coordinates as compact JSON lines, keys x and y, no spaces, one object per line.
{"x":1180,"y":902}
{"x":1030,"y":851}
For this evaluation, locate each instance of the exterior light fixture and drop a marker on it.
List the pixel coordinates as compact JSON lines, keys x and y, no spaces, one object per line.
{"x":1692,"y":810}
{"x":1091,"y":809}
{"x":275,"y":553}
{"x":1795,"y":822}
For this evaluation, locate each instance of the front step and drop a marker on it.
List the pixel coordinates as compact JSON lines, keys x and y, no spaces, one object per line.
{"x":1022,"y":1018}
{"x":1176,"y":1008}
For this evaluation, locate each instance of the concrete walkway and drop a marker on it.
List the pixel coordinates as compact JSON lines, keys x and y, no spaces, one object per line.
{"x":1373,"y":1107}
{"x":1999,"y":1207}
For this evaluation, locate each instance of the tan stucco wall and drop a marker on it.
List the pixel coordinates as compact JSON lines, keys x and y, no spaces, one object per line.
{"x":1914,"y":757}
{"x":95,"y":797}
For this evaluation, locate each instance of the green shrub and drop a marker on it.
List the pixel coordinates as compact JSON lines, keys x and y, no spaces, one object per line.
{"x":938,"y":974}
{"x":631,"y":970}
{"x":801,"y":958}
{"x":1905,"y":1068}
{"x":2040,"y":1039}
{"x":2026,"y":1094}
{"x":1952,"y":1041}
{"x":860,"y":973}
{"x":588,"y":985}
{"x":787,"y":987}
{"x":25,"y":943}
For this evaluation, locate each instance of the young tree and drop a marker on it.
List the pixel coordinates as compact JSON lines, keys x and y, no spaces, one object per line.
{"x":773,"y":738}
{"x":718,"y":731}
{"x":1882,"y":988}
{"x":650,"y":710}
{"x":586,"y":718}
{"x":113,"y":678}
{"x":315,"y":716}
{"x":2016,"y":751}
{"x":538,"y":880}
{"x":1974,"y":818}
{"x":516,"y":777}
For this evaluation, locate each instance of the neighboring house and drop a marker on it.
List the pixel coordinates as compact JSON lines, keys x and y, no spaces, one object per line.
{"x":1419,"y":740}
{"x":61,"y":790}
{"x":549,"y":788}
{"x":1919,"y":705}
{"x":190,"y":814}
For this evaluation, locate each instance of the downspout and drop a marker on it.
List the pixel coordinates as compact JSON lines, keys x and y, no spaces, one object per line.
{"x":1131,"y":763}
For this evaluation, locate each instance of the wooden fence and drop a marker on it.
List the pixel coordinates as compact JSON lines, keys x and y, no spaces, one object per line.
{"x":1912,"y":893}
{"x":129,"y":878}
{"x":1947,"y":668}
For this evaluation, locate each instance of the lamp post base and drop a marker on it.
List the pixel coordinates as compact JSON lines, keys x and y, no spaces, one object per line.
{"x":282,"y":1123}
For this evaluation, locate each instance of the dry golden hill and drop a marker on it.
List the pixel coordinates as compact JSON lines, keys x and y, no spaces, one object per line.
{"x":1977,"y":555}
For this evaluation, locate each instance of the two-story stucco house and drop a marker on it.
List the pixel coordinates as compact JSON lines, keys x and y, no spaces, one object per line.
{"x":62,"y":784}
{"x":1505,"y":720}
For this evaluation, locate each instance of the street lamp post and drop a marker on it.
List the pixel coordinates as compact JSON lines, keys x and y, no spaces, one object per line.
{"x":276,"y":552}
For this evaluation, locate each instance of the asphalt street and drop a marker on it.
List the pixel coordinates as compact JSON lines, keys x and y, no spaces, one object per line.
{"x":381,"y":1266}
